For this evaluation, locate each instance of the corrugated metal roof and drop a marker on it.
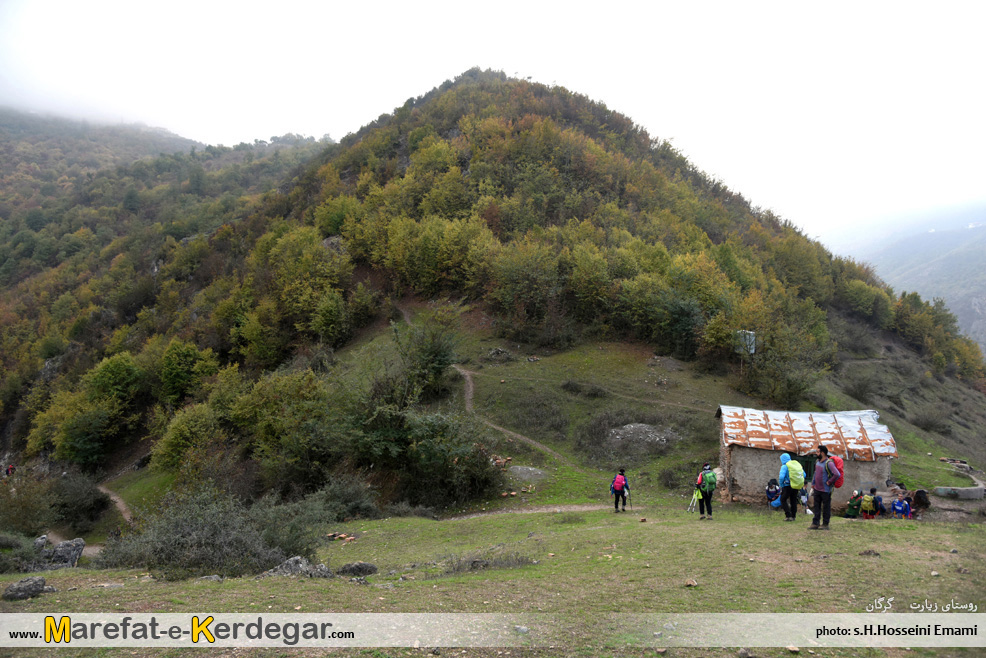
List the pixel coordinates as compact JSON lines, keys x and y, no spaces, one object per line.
{"x":855,"y":435}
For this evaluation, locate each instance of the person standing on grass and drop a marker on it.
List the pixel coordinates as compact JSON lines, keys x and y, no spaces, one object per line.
{"x":707,"y":485}
{"x":619,"y":488}
{"x":791,"y":479}
{"x":826,"y":474}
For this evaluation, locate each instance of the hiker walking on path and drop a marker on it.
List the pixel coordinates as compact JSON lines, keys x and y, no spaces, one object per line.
{"x":706,"y":484}
{"x":619,"y":488}
{"x":791,"y":479}
{"x":826,"y":473}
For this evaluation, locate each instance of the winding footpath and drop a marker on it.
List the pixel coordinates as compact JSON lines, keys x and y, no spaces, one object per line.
{"x":470,"y":389}
{"x":95,"y":549}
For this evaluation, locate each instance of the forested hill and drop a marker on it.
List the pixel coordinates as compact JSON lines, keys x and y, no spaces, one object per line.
{"x":42,"y":155}
{"x":193,"y":300}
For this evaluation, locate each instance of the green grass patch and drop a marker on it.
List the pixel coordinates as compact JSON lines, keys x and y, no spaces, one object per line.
{"x":143,"y":488}
{"x":919,"y":466}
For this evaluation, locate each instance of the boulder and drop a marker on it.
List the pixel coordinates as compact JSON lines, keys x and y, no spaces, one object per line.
{"x":962,"y":493}
{"x":24,"y":589}
{"x":67,"y":553}
{"x":320,"y":571}
{"x":358,"y":569}
{"x":921,"y":499}
{"x":298,"y":566}
{"x":40,"y":543}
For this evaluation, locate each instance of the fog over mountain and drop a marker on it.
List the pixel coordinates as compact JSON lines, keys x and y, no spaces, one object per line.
{"x":942,"y":255}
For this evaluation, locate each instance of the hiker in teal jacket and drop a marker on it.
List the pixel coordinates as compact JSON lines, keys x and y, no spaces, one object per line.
{"x":789,"y":494}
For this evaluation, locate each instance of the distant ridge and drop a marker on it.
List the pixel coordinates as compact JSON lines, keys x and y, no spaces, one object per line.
{"x":950,"y":264}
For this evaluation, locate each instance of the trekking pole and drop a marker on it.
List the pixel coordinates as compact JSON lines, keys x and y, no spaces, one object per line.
{"x":630,"y":499}
{"x":695,"y":496}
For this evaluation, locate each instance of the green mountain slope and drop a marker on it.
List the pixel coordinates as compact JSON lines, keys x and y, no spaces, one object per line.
{"x":190,"y":307}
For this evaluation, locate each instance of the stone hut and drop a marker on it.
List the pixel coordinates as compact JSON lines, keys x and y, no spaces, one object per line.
{"x":752,"y":442}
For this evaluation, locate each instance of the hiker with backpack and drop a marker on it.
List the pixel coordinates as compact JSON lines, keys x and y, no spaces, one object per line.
{"x":854,"y":505}
{"x":792,"y":480}
{"x":868,"y":506}
{"x":706,"y":485}
{"x":619,"y":488}
{"x":773,"y":493}
{"x":826,"y":474}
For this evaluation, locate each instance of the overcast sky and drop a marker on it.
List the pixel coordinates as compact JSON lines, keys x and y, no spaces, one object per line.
{"x":834,"y":115}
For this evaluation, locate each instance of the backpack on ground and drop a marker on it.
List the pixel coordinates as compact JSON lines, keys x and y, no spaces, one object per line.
{"x":619,"y":482}
{"x":797,"y":474}
{"x":842,"y":471}
{"x":708,"y":481}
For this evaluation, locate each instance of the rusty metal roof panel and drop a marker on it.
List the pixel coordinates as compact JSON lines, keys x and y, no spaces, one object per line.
{"x":781,"y":433}
{"x":854,"y":435}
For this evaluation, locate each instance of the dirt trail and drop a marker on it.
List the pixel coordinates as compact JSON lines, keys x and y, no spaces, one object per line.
{"x":54,"y":537}
{"x":120,"y":505}
{"x":469,"y":392}
{"x":536,"y":509}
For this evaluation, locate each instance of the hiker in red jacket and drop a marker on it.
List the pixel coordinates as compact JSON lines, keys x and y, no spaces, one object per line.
{"x":619,"y":488}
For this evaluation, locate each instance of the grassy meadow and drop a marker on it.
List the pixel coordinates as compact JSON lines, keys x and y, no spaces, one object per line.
{"x":557,"y":547}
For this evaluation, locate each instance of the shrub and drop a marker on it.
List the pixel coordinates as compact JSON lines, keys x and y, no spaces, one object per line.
{"x":591,"y":391}
{"x":291,"y":528}
{"x":860,"y":386}
{"x":404,"y":508}
{"x":363,"y":305}
{"x":673,"y":478}
{"x":331,"y":321}
{"x":427,"y":348}
{"x":78,"y":501}
{"x":497,"y":557}
{"x":51,"y":346}
{"x":25,"y":506}
{"x":192,"y":534}
{"x":572,"y":387}
{"x":446,"y":461}
{"x":191,"y":428}
{"x":932,"y":418}
{"x":16,"y":553}
{"x":344,"y":497}
{"x":857,"y":338}
{"x":223,"y":468}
